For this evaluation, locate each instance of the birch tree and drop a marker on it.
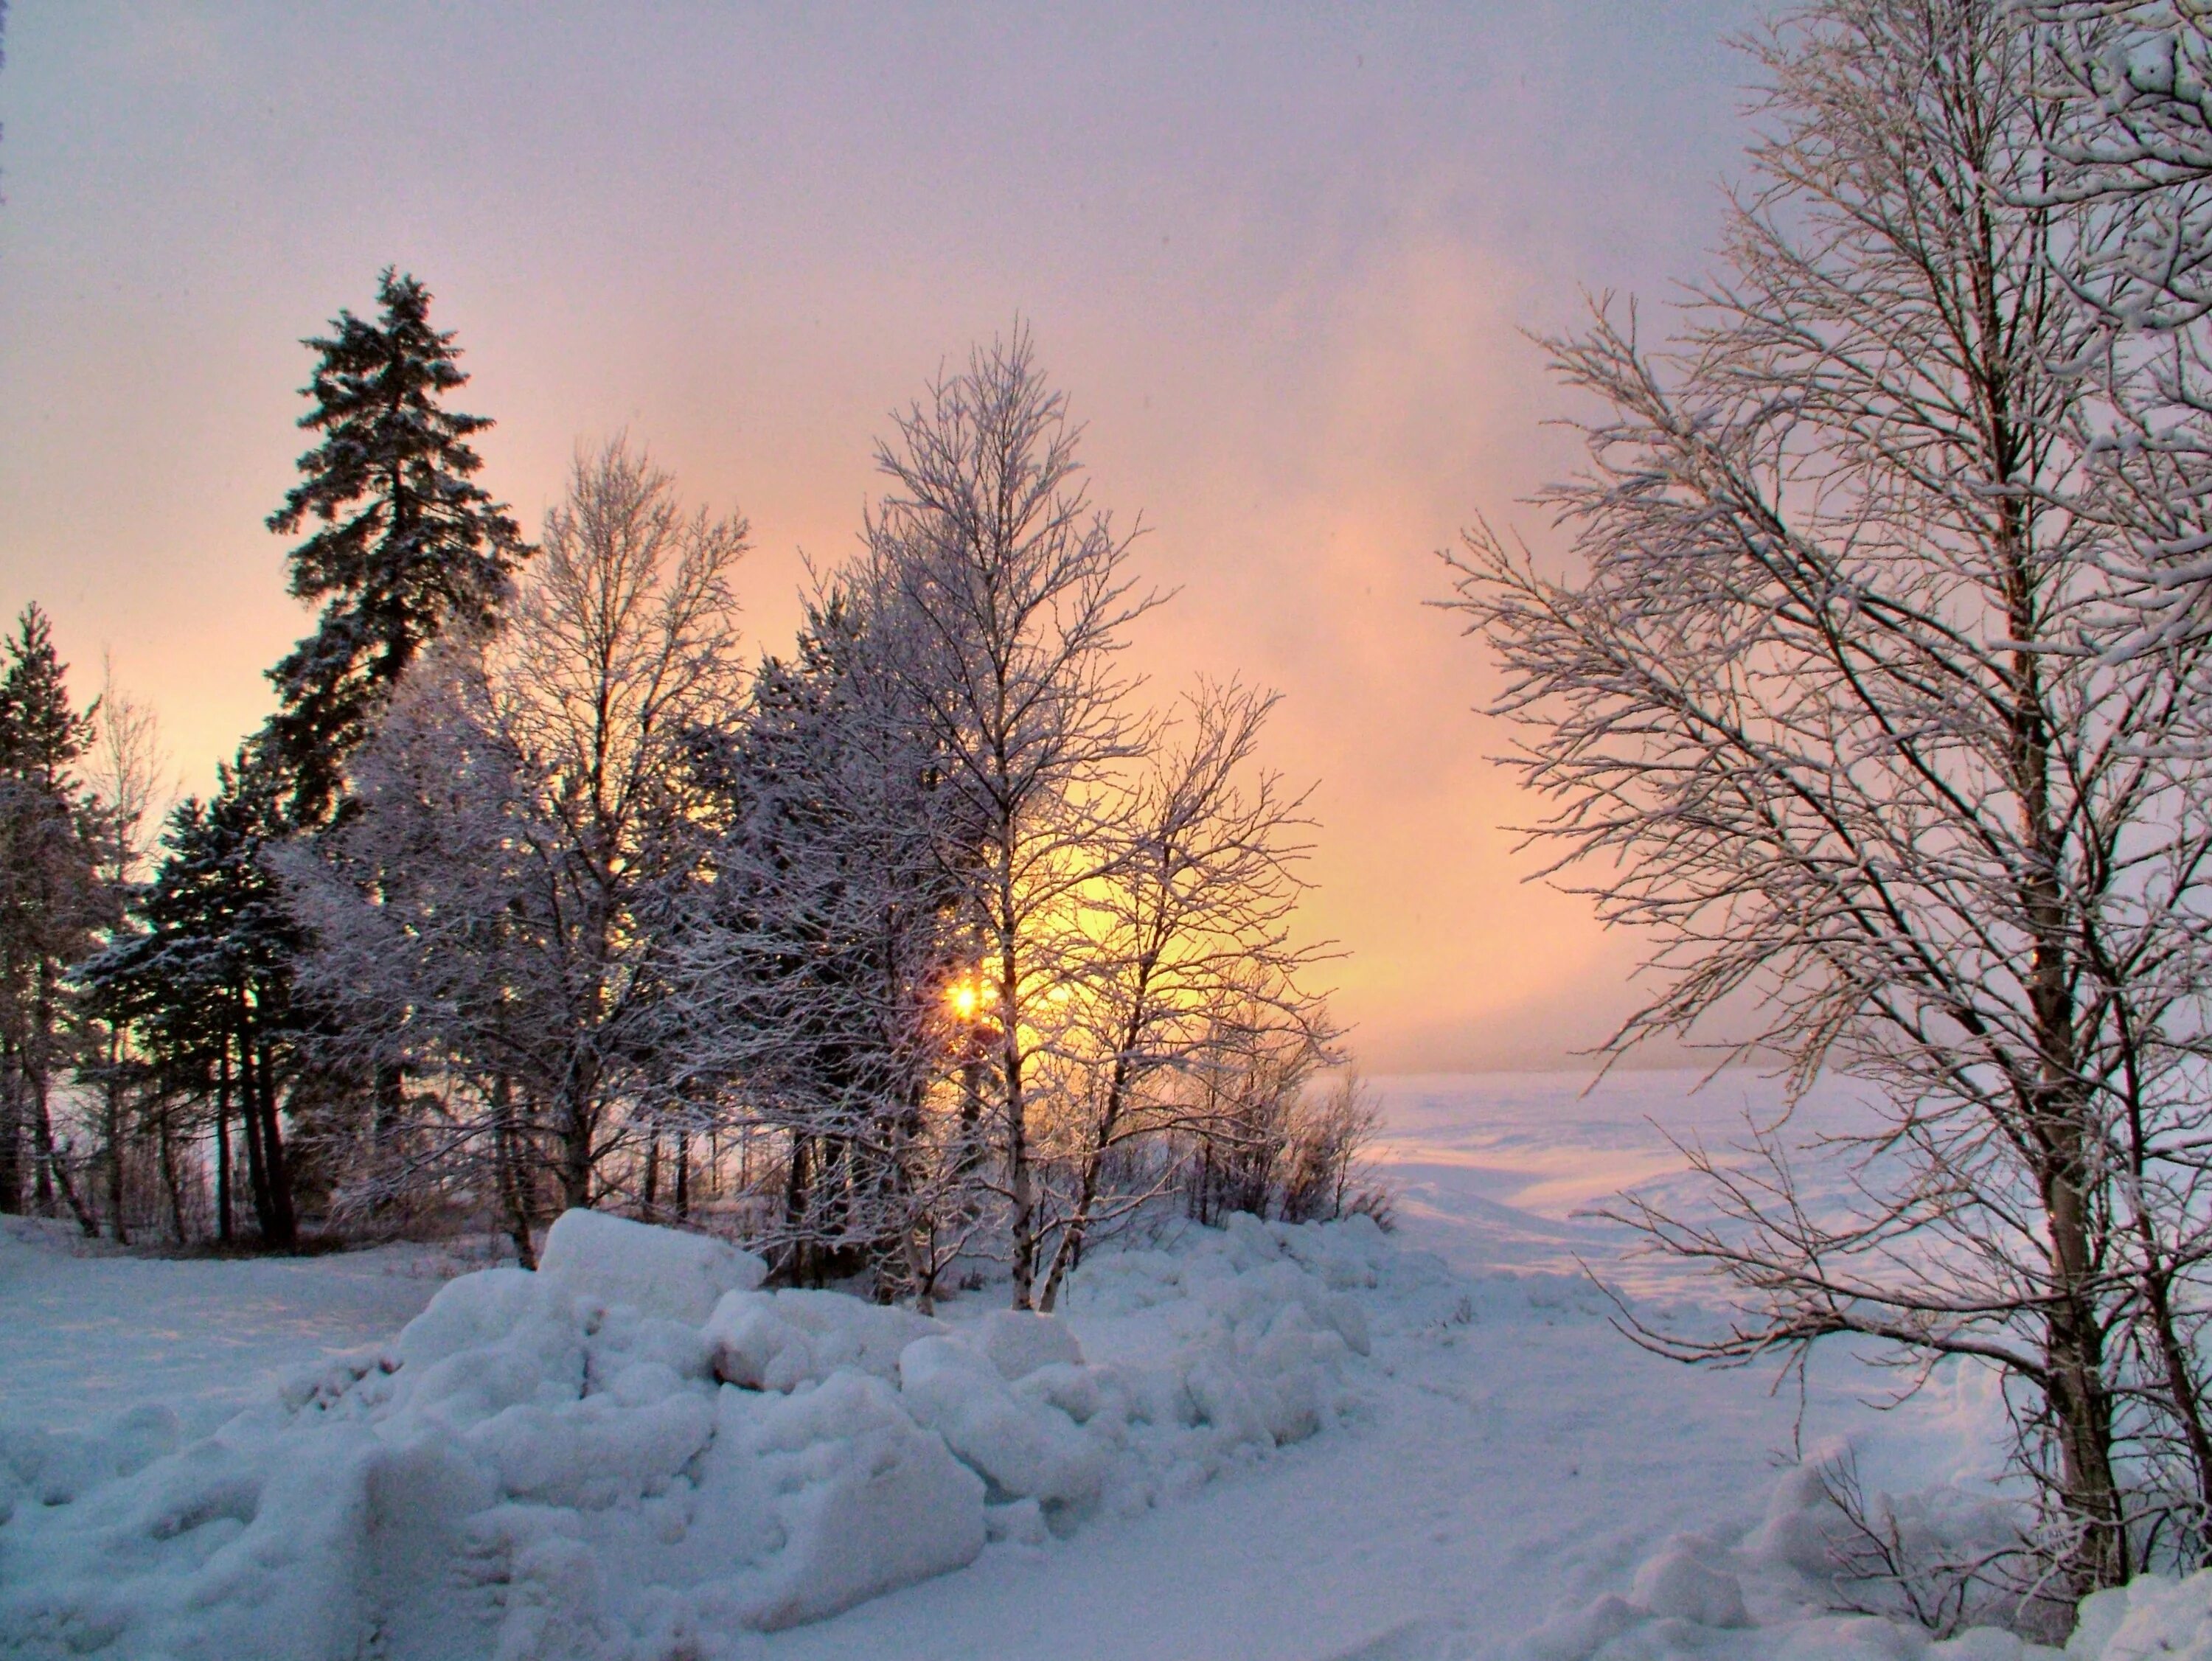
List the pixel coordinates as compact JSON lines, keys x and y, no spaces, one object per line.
{"x":1191,"y":953}
{"x":522,"y":817}
{"x":123,"y":778}
{"x":1014,"y":599}
{"x":1814,"y":712}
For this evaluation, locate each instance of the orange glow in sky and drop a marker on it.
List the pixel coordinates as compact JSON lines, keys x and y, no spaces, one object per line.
{"x":1280,"y":258}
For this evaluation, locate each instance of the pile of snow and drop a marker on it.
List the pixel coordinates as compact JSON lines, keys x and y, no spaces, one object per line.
{"x":636,"y":1452}
{"x":1785,"y":1590}
{"x":2151,"y":1615}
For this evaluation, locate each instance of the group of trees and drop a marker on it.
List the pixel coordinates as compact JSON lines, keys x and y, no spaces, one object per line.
{"x":926,"y":944}
{"x":1878,"y":695}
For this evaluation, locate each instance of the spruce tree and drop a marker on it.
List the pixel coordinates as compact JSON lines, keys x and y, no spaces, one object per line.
{"x":208,"y":979}
{"x":41,"y":736}
{"x":404,"y":544}
{"x":51,"y":901}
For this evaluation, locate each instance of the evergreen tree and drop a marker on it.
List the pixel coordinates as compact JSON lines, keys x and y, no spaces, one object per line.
{"x":403,"y":543}
{"x":52,"y":902}
{"x":208,"y":980}
{"x":41,"y":736}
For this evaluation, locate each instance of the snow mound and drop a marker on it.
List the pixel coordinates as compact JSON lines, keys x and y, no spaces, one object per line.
{"x":1782,"y":1593}
{"x":2152,"y":1615}
{"x":636,"y":1453}
{"x":660,"y":1271}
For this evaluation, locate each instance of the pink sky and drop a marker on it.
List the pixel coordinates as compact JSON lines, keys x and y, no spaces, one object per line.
{"x":1279,"y":257}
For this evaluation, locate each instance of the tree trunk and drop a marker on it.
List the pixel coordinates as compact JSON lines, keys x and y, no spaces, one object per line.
{"x":1022,"y":1224}
{"x":226,"y":1230}
{"x":575,"y":1124}
{"x":798,"y":1194}
{"x":282,"y":1212}
{"x":11,"y":1129}
{"x":170,"y":1181}
{"x":514,"y":1180}
{"x":54,"y":1171}
{"x":36,"y":1048}
{"x":257,"y":1166}
{"x":388,"y":1090}
{"x":113,"y":1129}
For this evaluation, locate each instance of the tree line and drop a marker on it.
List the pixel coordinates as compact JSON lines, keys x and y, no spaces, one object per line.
{"x":924,"y":945}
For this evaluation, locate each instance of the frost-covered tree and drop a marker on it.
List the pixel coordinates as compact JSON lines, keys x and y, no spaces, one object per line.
{"x":1014,"y":598}
{"x":2132,"y":149}
{"x":493,"y":901}
{"x":430,"y":953}
{"x":1191,"y":958}
{"x":404,"y":541}
{"x":1814,"y":710}
{"x":818,"y":964}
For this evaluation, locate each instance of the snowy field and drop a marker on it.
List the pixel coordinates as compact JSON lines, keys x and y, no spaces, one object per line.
{"x":1500,"y":1473}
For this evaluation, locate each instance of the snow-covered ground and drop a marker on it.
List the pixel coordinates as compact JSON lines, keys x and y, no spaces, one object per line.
{"x":1499,"y":1466}
{"x":85,"y":1335}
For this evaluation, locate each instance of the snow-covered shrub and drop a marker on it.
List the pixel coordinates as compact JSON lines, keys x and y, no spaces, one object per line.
{"x":1836,"y":1572}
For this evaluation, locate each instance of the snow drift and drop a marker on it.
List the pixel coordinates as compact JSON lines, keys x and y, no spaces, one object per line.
{"x":636,"y":1452}
{"x":1776,"y":1594}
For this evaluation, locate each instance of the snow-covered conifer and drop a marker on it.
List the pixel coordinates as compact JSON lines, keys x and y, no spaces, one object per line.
{"x":53,"y":903}
{"x":207,"y":981}
{"x":405,"y":541}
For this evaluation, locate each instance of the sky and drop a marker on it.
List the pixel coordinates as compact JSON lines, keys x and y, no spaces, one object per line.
{"x":1283,"y":260}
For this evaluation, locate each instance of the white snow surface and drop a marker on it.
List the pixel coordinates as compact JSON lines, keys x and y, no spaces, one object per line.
{"x":1313,"y":1444}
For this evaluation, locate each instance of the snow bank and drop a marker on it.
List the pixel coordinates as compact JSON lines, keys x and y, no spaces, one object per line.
{"x":1780,"y":1592}
{"x":637,"y":1452}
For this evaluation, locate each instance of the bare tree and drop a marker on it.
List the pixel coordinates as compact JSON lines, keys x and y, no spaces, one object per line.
{"x":124,"y":774}
{"x":1015,"y":598}
{"x":624,"y":644}
{"x":1191,"y":947}
{"x":1816,"y":714}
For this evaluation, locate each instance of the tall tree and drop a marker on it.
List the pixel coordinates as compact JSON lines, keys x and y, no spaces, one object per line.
{"x":816,"y":963}
{"x":207,"y":981}
{"x":405,"y":541}
{"x":1015,"y":596}
{"x":492,"y":899}
{"x":124,"y":771}
{"x":51,"y":903}
{"x":1816,"y":712}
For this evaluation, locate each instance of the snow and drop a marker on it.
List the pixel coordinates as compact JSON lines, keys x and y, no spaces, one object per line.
{"x":662,"y":1272}
{"x":87,"y":1334}
{"x":1314,"y":1445}
{"x":637,"y":1445}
